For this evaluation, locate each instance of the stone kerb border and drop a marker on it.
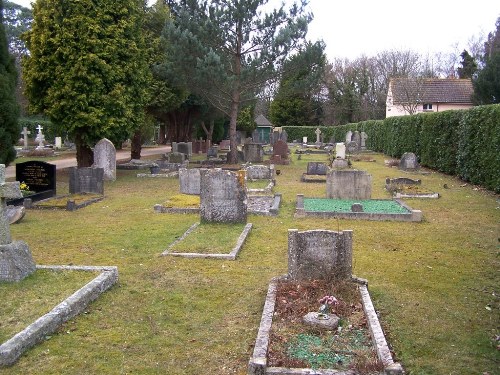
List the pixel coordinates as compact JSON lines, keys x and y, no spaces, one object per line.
{"x":267,"y":189}
{"x":412,"y":215}
{"x":70,"y":204}
{"x":231,"y":256}
{"x":36,"y":332}
{"x":258,"y":362}
{"x":158,"y":175}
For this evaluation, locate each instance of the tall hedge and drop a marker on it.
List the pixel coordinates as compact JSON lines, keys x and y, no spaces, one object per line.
{"x":465,"y":143}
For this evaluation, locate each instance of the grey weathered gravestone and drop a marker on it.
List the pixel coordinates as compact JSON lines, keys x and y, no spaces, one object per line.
{"x":402,"y":181}
{"x":280,"y":148}
{"x":316,"y":168}
{"x":212,"y":152}
{"x":408,"y":162}
{"x":318,"y":133}
{"x":16,"y":261}
{"x":364,"y":137}
{"x":105,"y":158}
{"x":356,"y":207}
{"x":176,"y":157}
{"x":340,"y":150}
{"x":356,"y":137}
{"x":185,"y":148}
{"x":319,"y":254}
{"x":256,"y":136}
{"x":348,"y":184}
{"x":284,"y":136}
{"x":223,"y":197}
{"x":189,"y":181}
{"x":330,"y":323}
{"x":260,"y":172}
{"x":352,"y":147}
{"x":348,"y":137}
{"x":86,"y":180}
{"x":253,"y":152}
{"x":15,"y":214}
{"x":25,"y":134}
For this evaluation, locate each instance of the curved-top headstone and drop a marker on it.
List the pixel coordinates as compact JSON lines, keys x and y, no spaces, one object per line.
{"x":409,"y":162}
{"x":105,"y":158}
{"x":223,"y":197}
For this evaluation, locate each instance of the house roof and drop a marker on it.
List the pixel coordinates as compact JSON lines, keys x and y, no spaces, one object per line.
{"x":432,"y":90}
{"x":260,"y":120}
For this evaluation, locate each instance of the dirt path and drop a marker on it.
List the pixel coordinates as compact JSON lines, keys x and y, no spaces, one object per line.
{"x":120,"y":156}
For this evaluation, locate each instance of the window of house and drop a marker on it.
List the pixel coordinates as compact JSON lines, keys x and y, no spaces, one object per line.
{"x":428,"y":107}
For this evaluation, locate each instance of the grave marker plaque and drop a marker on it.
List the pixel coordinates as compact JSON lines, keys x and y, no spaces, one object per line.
{"x":39,"y":176}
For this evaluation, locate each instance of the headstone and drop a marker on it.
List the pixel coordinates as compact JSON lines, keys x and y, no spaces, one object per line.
{"x":348,"y":184}
{"x":25,"y":134}
{"x":15,"y":214}
{"x":408,"y":162}
{"x":260,"y":172}
{"x":86,"y":180}
{"x":356,"y":137}
{"x":253,"y":153}
{"x":304,"y":140}
{"x":348,"y":137}
{"x":176,"y":157}
{"x":105,"y":158}
{"x":319,"y":255}
{"x":364,"y":137}
{"x":340,"y":150}
{"x":256,"y":136}
{"x":280,"y":148}
{"x":174,"y":147}
{"x":58,"y":142}
{"x":212,"y":152}
{"x":223,"y":197}
{"x":356,"y":207}
{"x":189,"y":181}
{"x":316,"y":168}
{"x":284,"y":136}
{"x":225,"y":145}
{"x":318,"y":133}
{"x":16,"y":261}
{"x":275,"y":136}
{"x":38,"y":175}
{"x":352,"y":147}
{"x":185,"y":148}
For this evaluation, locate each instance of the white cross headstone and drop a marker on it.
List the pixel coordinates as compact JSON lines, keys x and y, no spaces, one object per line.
{"x":25,"y":134}
{"x":318,"y":133}
{"x":8,"y":190}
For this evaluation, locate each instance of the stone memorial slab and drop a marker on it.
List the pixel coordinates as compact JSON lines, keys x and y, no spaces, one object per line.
{"x":316,"y":168}
{"x":212,"y":152}
{"x":256,"y":137}
{"x":340,"y":150}
{"x":223,"y":197}
{"x":319,"y":255}
{"x":105,"y":158}
{"x":260,"y":172}
{"x":25,"y":134}
{"x":348,"y":184}
{"x":176,"y":157}
{"x":185,"y":148}
{"x":409,"y":162}
{"x":253,"y":153}
{"x":189,"y":181}
{"x":280,"y":148}
{"x":318,"y":133}
{"x":356,"y":137}
{"x":86,"y":180}
{"x":364,"y":137}
{"x":304,"y":139}
{"x":58,"y":142}
{"x":38,"y":175}
{"x":348,"y":137}
{"x":225,"y":145}
{"x":284,"y":136}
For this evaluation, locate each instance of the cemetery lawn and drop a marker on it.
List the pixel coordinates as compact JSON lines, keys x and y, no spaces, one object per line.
{"x":35,"y":296}
{"x":435,"y":284}
{"x":210,"y":238}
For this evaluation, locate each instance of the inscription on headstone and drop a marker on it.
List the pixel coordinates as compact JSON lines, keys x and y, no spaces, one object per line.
{"x":38,"y":175}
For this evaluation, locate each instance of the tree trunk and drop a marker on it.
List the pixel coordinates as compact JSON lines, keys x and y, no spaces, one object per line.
{"x":162,"y":139}
{"x":208,"y":132}
{"x":84,"y":154}
{"x":232,"y":156}
{"x":136,"y":145}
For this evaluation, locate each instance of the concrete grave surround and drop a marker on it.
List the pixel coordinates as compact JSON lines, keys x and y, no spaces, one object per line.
{"x":86,"y":180}
{"x":348,"y":184}
{"x":408,"y":162}
{"x":223,"y":197}
{"x":16,"y":261}
{"x":105,"y":158}
{"x":253,"y":153}
{"x":189,"y":181}
{"x":319,"y":254}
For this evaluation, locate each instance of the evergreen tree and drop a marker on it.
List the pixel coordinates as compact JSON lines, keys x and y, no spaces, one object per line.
{"x":227,"y":51}
{"x":487,"y":83}
{"x":9,"y":110}
{"x":87,"y":69}
{"x":468,"y":65}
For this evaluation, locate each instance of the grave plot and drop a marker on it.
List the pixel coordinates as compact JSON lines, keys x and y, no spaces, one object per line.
{"x":260,"y":178}
{"x":38,"y":180}
{"x":316,"y":172}
{"x":16,"y":264}
{"x":70,"y":202}
{"x":210,"y":240}
{"x":363,"y":209}
{"x":319,"y":318}
{"x":403,"y":187}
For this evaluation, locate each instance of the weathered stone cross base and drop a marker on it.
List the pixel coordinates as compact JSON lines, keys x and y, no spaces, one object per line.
{"x":16,"y":261}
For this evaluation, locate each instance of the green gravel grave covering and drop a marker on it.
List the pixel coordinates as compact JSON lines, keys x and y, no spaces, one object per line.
{"x":344,"y":205}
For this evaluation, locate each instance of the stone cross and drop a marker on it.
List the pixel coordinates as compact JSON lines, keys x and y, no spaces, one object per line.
{"x":318,"y":132}
{"x":39,"y":128}
{"x":7,"y":190}
{"x":25,"y":134}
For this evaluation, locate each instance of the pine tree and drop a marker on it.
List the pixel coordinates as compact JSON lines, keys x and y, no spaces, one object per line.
{"x":469,"y":66}
{"x":9,"y":110}
{"x":87,"y":69}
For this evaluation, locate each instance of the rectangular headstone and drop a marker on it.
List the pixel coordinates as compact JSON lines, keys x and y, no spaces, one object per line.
{"x":348,"y":184}
{"x":316,"y":168}
{"x":280,"y":148}
{"x":105,"y":158}
{"x":260,"y":172}
{"x":319,"y":255}
{"x":348,"y":137}
{"x":185,"y":148}
{"x":340,"y":150}
{"x":223,"y":197}
{"x":189,"y":181}
{"x":253,"y":153}
{"x":38,"y":175}
{"x":86,"y":180}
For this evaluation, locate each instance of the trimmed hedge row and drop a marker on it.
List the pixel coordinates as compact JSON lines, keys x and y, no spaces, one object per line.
{"x":465,"y":143}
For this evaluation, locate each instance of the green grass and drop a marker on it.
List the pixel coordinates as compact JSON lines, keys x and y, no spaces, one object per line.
{"x":431,"y":281}
{"x":210,"y":238}
{"x":35,"y":296}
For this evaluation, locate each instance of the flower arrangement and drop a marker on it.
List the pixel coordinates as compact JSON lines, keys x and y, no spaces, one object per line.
{"x":326,"y":304}
{"x":25,"y":189}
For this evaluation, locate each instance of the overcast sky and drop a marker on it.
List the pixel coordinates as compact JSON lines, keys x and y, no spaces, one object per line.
{"x":352,"y":28}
